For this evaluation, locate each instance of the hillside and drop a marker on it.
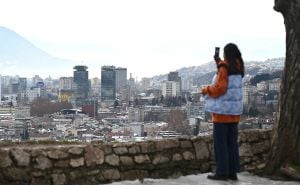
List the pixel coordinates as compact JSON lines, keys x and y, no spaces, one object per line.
{"x":20,"y":57}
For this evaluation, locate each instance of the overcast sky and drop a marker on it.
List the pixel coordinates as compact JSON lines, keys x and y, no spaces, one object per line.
{"x":148,"y":37}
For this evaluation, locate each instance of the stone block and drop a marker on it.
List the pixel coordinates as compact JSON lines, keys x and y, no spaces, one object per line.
{"x":159,"y":159}
{"x":259,"y":147}
{"x":21,"y":157}
{"x":57,"y":154}
{"x":147,"y":147}
{"x":166,"y":144}
{"x":77,"y":162}
{"x":134,"y":174}
{"x":245,"y":150}
{"x":253,"y":135}
{"x":58,"y":179}
{"x":43,"y":163}
{"x":186,"y":144}
{"x":141,"y":159}
{"x":93,"y":156}
{"x":62,"y":163}
{"x":75,"y":151}
{"x":111,"y":174}
{"x":134,"y":149}
{"x":112,"y":160}
{"x":204,"y":168}
{"x":177,"y":157}
{"x":120,"y":150}
{"x":187,"y":155}
{"x":5,"y":160}
{"x":201,"y":149}
{"x":16,"y":174}
{"x":126,"y":160}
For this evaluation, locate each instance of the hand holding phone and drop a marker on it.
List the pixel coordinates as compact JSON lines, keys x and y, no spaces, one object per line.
{"x":217,"y":54}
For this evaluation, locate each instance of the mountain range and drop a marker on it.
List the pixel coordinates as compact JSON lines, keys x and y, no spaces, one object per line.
{"x":20,"y":57}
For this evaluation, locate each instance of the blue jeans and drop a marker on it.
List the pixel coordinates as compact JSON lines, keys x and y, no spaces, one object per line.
{"x":226,"y":148}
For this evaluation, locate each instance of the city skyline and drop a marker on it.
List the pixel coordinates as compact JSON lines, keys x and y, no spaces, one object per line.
{"x":148,"y":38}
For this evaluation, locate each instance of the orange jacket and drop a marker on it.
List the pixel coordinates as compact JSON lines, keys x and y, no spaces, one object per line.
{"x":219,"y":89}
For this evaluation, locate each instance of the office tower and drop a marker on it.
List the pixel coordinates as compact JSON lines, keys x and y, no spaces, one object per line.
{"x":108,"y":83}
{"x":81,"y":83}
{"x":22,"y":84}
{"x":121,"y":78}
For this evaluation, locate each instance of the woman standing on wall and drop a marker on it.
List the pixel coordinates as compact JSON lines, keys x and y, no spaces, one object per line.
{"x":224,"y":102}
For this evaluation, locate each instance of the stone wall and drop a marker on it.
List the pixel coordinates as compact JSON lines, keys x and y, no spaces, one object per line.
{"x":106,"y":162}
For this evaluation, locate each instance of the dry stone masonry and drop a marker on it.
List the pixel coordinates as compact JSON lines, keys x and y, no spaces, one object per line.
{"x":89,"y":164}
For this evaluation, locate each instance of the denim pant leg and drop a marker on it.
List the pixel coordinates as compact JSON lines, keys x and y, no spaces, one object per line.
{"x":233,"y":149}
{"x":221,"y":149}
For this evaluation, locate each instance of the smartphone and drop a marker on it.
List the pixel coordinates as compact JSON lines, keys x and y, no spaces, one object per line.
{"x":217,"y":52}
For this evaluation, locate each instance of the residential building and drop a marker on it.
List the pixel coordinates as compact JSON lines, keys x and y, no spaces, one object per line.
{"x":170,"y":89}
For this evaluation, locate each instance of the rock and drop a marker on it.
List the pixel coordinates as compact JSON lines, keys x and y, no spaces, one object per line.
{"x":58,"y":179}
{"x":147,"y":147}
{"x":134,"y":174}
{"x":57,"y":154}
{"x":257,"y":148}
{"x":261,"y":166}
{"x":166,"y":144}
{"x":253,"y":135}
{"x":75,"y":151}
{"x":187,"y":155}
{"x":5,"y":160}
{"x":22,"y":158}
{"x":159,"y":159}
{"x":62,"y":164}
{"x":111,"y":174}
{"x":112,"y":160}
{"x":142,"y":159}
{"x":177,"y":157}
{"x":134,"y":150}
{"x":245,"y":150}
{"x":204,"y":168}
{"x":93,"y":156}
{"x":38,"y":174}
{"x":186,"y":144}
{"x":201,"y":149}
{"x":16,"y":174}
{"x":120,"y":150}
{"x":107,"y":149}
{"x":77,"y":162}
{"x":39,"y":181}
{"x":43,"y":163}
{"x":127,"y":161}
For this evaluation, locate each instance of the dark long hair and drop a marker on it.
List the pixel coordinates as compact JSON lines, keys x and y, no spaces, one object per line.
{"x":234,"y":59}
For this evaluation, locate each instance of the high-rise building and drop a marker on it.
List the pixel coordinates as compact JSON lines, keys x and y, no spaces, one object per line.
{"x":66,"y":83}
{"x":81,"y":82}
{"x":121,"y":78}
{"x":95,"y":87}
{"x":108,"y":83}
{"x":22,"y":84}
{"x":170,"y":88}
{"x":174,"y":77}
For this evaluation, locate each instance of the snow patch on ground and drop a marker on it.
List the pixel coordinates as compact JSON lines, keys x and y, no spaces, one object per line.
{"x":245,"y":178}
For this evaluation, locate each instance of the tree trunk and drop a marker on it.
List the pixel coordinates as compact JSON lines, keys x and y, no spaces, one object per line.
{"x":286,"y":133}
